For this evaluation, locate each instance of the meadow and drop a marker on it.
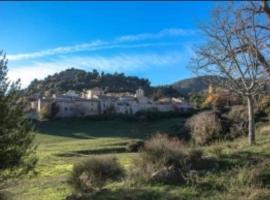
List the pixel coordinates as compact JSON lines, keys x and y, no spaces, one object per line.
{"x":65,"y":142}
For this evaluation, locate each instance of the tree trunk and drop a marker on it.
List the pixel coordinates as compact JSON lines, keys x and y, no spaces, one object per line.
{"x":251,"y":123}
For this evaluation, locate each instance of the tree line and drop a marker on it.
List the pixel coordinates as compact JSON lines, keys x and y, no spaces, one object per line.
{"x":78,"y":80}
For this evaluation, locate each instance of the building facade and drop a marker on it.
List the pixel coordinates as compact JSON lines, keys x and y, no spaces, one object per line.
{"x":95,"y":102}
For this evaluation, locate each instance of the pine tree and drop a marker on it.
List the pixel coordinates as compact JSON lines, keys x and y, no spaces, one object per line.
{"x":17,"y":151}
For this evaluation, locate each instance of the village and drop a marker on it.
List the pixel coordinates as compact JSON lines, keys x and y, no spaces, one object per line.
{"x":95,"y":102}
{"x":135,"y":100}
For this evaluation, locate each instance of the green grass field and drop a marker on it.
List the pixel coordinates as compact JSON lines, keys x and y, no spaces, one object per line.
{"x":65,"y":142}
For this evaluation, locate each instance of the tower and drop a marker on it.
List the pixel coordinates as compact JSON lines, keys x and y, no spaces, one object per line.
{"x":139,"y":93}
{"x":211,"y":89}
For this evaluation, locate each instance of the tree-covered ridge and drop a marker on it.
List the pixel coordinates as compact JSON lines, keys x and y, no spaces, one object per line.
{"x":78,"y":80}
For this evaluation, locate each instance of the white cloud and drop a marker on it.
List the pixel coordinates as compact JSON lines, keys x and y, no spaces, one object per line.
{"x":164,"y":33}
{"x":99,"y":44}
{"x":119,"y":63}
{"x":29,"y":73}
{"x":55,"y":51}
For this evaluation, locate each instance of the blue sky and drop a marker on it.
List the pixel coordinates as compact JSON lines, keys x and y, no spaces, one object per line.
{"x":153,"y":40}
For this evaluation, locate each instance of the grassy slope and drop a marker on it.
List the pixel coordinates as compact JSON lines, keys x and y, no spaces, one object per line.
{"x":63,"y":143}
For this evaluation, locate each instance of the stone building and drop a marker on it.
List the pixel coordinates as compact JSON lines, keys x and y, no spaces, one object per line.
{"x":95,"y":102}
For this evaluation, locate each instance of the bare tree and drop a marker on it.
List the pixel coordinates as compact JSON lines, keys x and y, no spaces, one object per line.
{"x":256,"y":17}
{"x":230,"y":52}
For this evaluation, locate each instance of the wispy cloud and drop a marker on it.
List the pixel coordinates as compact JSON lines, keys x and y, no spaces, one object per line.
{"x":118,"y":42}
{"x":122,"y":62}
{"x":172,"y":32}
{"x":58,"y":50}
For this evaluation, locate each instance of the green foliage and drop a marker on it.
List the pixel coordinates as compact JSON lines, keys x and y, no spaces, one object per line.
{"x":218,"y":179}
{"x":75,"y":79}
{"x":93,"y":173}
{"x":78,"y":80}
{"x":198,"y":99}
{"x":155,"y":115}
{"x":16,"y":144}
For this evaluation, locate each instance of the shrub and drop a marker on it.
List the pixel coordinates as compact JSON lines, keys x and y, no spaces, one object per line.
{"x":180,"y":132}
{"x":92,"y":174}
{"x":160,"y":153}
{"x":238,"y":121}
{"x":165,"y":160}
{"x":264,"y":105}
{"x":163,"y":151}
{"x":193,"y":161}
{"x":194,"y":154}
{"x":135,"y":146}
{"x":156,"y":115}
{"x":204,"y":127}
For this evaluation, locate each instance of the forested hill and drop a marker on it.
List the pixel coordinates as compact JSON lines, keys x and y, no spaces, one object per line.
{"x":195,"y":84}
{"x":76,"y":79}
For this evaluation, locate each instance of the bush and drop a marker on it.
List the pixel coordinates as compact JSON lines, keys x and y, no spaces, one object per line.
{"x":238,"y":121}
{"x":157,"y":115}
{"x":264,"y":105}
{"x":180,"y":132}
{"x":93,"y":173}
{"x":205,"y":127}
{"x":193,"y":158}
{"x":135,"y":146}
{"x":162,"y":150}
{"x":165,"y":160}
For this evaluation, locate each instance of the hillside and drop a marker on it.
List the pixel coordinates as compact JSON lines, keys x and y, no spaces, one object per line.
{"x":78,"y":80}
{"x":193,"y":85}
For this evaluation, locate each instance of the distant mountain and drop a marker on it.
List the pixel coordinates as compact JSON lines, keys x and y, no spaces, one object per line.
{"x":194,"y":85}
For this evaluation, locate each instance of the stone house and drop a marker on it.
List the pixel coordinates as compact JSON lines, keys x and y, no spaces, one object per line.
{"x":95,"y":102}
